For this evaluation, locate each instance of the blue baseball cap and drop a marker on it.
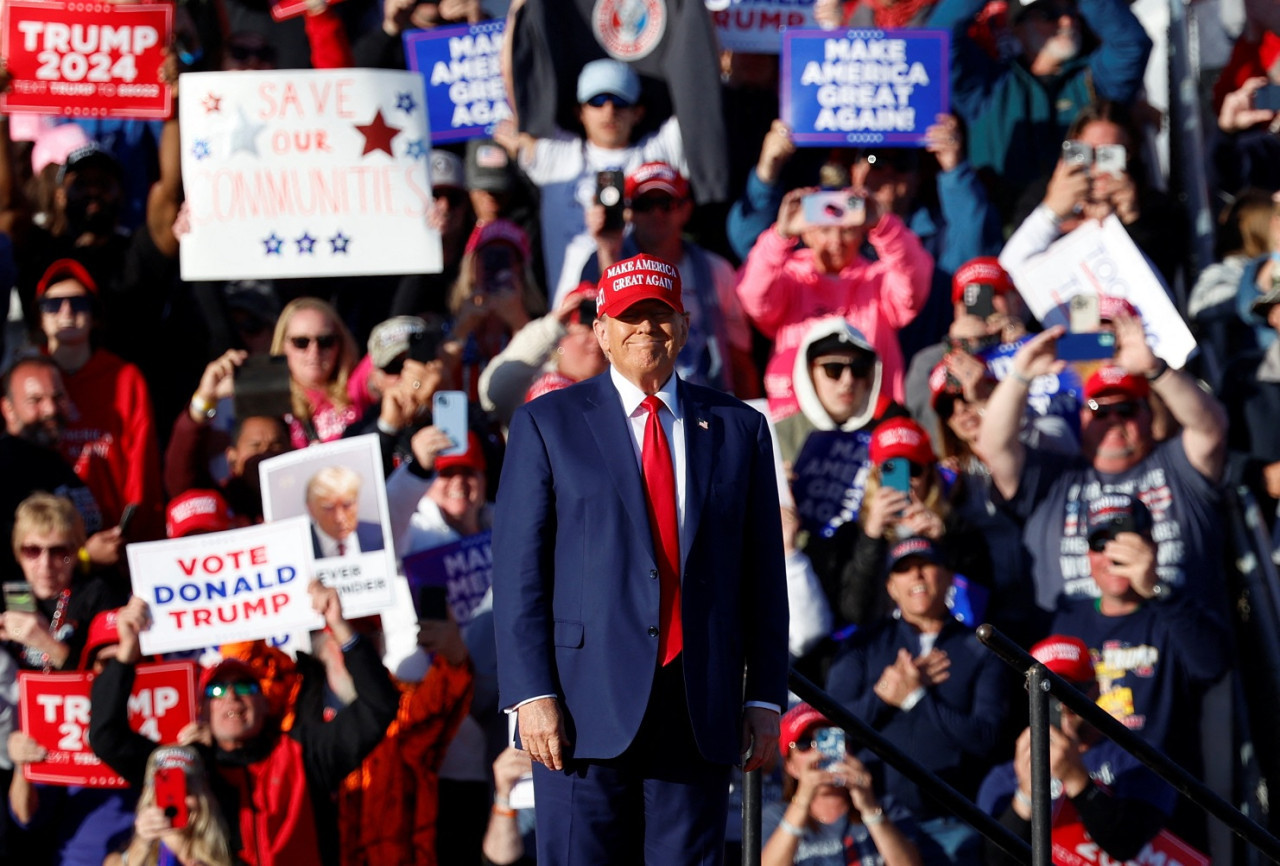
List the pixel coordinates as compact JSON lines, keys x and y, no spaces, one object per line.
{"x":608,"y":76}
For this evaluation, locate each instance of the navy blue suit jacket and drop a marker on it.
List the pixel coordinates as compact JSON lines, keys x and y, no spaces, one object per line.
{"x":367,"y":533}
{"x":575,"y":579}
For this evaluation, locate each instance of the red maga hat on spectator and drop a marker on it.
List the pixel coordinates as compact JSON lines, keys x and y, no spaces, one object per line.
{"x":1113,"y":513}
{"x":229,"y":670}
{"x":984,"y":270}
{"x":639,"y":278}
{"x":1110,"y":306}
{"x":196,"y":511}
{"x":472,"y":458}
{"x":901,"y":437}
{"x":103,"y":631}
{"x":1114,"y":380}
{"x":66,"y":269}
{"x":1066,"y":656}
{"x":795,"y":722}
{"x":504,"y":231}
{"x":655,"y":177}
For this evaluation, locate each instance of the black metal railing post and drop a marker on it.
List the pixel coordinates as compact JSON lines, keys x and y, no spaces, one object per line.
{"x":752,"y":844}
{"x":1041,"y":797}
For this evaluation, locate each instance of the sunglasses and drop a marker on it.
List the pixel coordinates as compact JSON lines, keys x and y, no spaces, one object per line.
{"x":600,"y":100}
{"x":324,"y":341}
{"x":79,"y":304}
{"x":1125,"y":409}
{"x":395,"y":365}
{"x":666,"y":204}
{"x":35,"y":551}
{"x":859,"y":367}
{"x":220,"y":690}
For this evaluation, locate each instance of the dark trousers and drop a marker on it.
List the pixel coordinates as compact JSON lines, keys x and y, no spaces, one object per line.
{"x":660,"y":802}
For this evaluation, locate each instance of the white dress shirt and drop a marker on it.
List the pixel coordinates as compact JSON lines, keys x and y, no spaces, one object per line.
{"x":329,"y":544}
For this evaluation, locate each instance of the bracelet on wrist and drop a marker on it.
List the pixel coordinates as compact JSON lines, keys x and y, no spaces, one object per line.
{"x":1018,"y":377}
{"x":873,"y":817}
{"x":790,"y":829}
{"x":502,"y":801}
{"x":502,"y":812}
{"x":1162,"y":367}
{"x":200,"y":406}
{"x":1022,"y":798}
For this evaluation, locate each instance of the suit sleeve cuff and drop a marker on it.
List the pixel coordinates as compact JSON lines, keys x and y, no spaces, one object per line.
{"x":514,"y":707}
{"x":912,"y":699}
{"x":765,"y":705}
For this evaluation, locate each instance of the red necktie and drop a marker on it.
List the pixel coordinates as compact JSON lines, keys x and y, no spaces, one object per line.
{"x":660,"y":499}
{"x":342,"y":548}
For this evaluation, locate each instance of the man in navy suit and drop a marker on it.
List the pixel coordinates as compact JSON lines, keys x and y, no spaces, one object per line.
{"x":333,"y":501}
{"x":639,"y":592}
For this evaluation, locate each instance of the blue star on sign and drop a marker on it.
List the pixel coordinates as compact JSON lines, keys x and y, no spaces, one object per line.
{"x":273,"y":244}
{"x":404,"y":102}
{"x":200,"y":149}
{"x":417,"y":149}
{"x":306,"y":243}
{"x":339,"y":243}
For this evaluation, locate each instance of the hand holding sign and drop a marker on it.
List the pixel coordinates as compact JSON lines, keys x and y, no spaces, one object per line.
{"x":133,"y":619}
{"x":326,"y":602}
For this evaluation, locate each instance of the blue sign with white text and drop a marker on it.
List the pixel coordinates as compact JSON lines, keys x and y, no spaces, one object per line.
{"x":465,"y":94}
{"x":844,"y":88}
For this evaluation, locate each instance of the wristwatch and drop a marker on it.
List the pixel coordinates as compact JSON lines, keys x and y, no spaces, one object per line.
{"x":1161,"y":591}
{"x":1162,"y":367}
{"x":200,"y":407}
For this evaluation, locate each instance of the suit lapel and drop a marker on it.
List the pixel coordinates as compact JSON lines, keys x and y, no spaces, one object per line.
{"x":612,"y":433}
{"x":700,"y":431}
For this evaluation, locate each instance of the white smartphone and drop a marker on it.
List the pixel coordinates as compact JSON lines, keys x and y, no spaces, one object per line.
{"x":449,"y":414}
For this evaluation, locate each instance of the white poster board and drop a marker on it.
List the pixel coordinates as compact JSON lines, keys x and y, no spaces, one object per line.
{"x":756,"y":26}
{"x":363,"y":570}
{"x":242,"y":584}
{"x":299,"y":173}
{"x":1101,"y":259}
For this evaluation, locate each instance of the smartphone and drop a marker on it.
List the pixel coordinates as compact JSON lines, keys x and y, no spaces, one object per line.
{"x":895,"y":473}
{"x":431,"y":603}
{"x":830,"y":744}
{"x":449,"y":414}
{"x":1267,"y":97}
{"x":609,"y":186}
{"x":979,"y":300}
{"x":1110,"y":159}
{"x":19,"y":596}
{"x":1096,"y":346}
{"x":424,"y":347}
{"x":587,"y":312}
{"x":497,"y":264}
{"x":1084,"y":313}
{"x":171,"y":795}
{"x":1055,"y":712}
{"x":262,"y":387}
{"x":126,"y":518}
{"x":1076,"y":153}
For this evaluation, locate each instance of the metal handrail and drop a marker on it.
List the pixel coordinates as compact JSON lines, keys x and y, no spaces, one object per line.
{"x":1047,"y":683}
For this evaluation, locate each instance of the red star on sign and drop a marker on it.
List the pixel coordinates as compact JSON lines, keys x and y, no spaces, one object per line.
{"x":212,"y":104}
{"x":377,"y":135}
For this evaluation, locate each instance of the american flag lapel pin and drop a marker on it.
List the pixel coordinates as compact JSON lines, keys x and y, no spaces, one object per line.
{"x":703,"y":424}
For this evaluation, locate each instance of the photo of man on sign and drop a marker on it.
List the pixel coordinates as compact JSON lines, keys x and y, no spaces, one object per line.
{"x":333,"y":501}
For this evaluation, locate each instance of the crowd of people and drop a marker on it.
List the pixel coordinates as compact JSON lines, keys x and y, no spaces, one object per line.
{"x":939,"y":465}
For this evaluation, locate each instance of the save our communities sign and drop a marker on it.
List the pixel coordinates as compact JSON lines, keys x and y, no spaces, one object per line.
{"x":462,"y":72}
{"x":303,"y":173}
{"x":238,"y":585}
{"x":863,"y":86}
{"x":55,"y":713}
{"x":86,"y":59}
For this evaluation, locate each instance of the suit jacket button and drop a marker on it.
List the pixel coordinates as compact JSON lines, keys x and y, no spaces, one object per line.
{"x":653,"y":631}
{"x":653,"y":573}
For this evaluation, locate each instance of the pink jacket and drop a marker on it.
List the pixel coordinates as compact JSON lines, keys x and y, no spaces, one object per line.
{"x":783,"y":293}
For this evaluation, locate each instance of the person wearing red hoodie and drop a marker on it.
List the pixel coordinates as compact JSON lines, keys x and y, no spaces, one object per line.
{"x":110,"y":438}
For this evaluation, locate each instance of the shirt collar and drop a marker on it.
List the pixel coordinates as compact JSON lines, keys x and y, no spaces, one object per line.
{"x":632,"y":396}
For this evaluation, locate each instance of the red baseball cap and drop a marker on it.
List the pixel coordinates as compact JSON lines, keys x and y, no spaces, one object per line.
{"x":655,"y":177}
{"x":984,"y":270}
{"x":195,"y":512}
{"x":66,"y":269}
{"x":639,"y":278}
{"x":103,"y":631}
{"x":1115,"y":380}
{"x":1110,"y":306}
{"x":499,"y":231}
{"x":901,"y":437}
{"x":795,"y":722}
{"x":472,"y":458}
{"x":1066,"y":656}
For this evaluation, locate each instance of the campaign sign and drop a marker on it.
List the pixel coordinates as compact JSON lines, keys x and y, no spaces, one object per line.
{"x":1052,"y":394}
{"x":1073,"y":846}
{"x":207,"y":590}
{"x":339,"y":487}
{"x":55,"y":713}
{"x":86,"y":59}
{"x":283,"y":10}
{"x":860,"y":87}
{"x":463,"y":75}
{"x":1101,"y":259}
{"x":306,"y":173}
{"x":757,"y":26}
{"x":464,"y":568}
{"x":830,"y":476}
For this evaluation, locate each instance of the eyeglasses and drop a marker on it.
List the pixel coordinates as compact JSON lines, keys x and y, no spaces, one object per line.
{"x":34,"y":551}
{"x":859,"y":367}
{"x":666,"y":204}
{"x":600,"y":100}
{"x":79,"y":304}
{"x":221,"y":690}
{"x":324,"y":341}
{"x":1125,"y":409}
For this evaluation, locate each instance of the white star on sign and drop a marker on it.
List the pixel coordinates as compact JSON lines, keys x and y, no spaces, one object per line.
{"x":244,"y":133}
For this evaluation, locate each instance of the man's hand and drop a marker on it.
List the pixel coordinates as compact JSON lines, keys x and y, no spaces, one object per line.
{"x":104,"y":546}
{"x":774,"y":152}
{"x":326,"y":602}
{"x":898,"y":680}
{"x":759,"y":737}
{"x":133,"y":619}
{"x":934,"y":667}
{"x":1068,"y":189}
{"x":1133,"y":558}
{"x":1238,"y":114}
{"x":1132,"y":351}
{"x":1039,"y":355}
{"x":542,"y":732}
{"x":218,"y":379}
